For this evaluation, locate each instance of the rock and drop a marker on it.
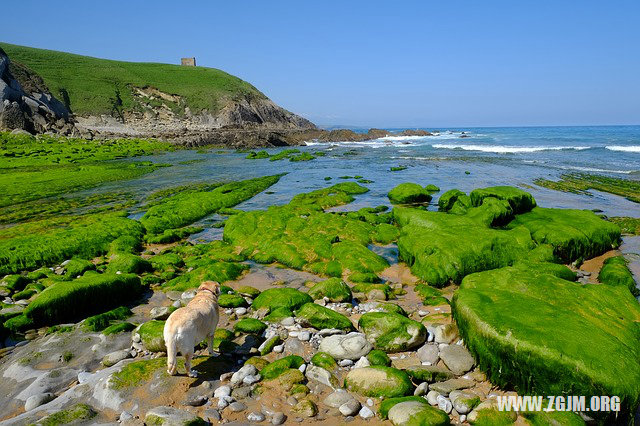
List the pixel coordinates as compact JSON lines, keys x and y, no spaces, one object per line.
{"x":446,"y":333}
{"x":242,"y":392}
{"x":288,"y":321}
{"x":432,"y":397}
{"x":239,"y":376}
{"x":237,"y":406}
{"x":407,"y":193}
{"x":160,"y":313}
{"x":366,"y":412}
{"x":362,"y":362}
{"x":320,"y":317}
{"x":255,"y":417}
{"x":337,"y":398}
{"x":196,"y":401}
{"x":212,"y":415}
{"x":409,"y":413}
{"x":304,"y":336}
{"x":379,"y":381}
{"x":429,"y":373}
{"x":115,"y":357}
{"x":334,"y":289}
{"x":392,"y":332}
{"x":421,"y":389}
{"x":249,"y":380}
{"x":457,"y":358}
{"x":241,"y":311}
{"x":306,"y":408}
{"x":320,"y":375}
{"x":278,"y":349}
{"x":429,"y":354}
{"x":345,"y":363}
{"x":450,"y":385}
{"x":278,"y":418}
{"x":444,"y":404}
{"x":125,"y":416}
{"x":37,"y":400}
{"x":169,"y":416}
{"x":463,"y":401}
{"x":222,"y":391}
{"x":350,"y":408}
{"x":350,"y":346}
{"x":151,"y":335}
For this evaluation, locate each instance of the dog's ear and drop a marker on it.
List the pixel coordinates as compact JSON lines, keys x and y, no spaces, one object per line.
{"x":216,"y":288}
{"x":212,"y":286}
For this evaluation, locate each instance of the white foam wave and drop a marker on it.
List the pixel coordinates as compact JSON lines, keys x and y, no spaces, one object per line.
{"x":596,"y":170}
{"x":503,"y":149}
{"x":622,"y":148}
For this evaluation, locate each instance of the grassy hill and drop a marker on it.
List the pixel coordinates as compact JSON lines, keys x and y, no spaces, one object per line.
{"x":91,"y":83}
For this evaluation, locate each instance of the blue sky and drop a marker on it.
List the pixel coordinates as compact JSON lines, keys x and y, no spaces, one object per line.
{"x":375,"y":63}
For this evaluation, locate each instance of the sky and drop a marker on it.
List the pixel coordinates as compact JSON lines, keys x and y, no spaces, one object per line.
{"x":377,"y":63}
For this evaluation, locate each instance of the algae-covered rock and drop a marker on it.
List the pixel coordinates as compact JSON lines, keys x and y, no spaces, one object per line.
{"x":429,"y":373}
{"x":616,"y":272}
{"x":128,"y":263}
{"x":248,"y":291}
{"x":334,"y":288}
{"x":151,"y":334}
{"x":276,"y":368}
{"x":15,"y":282}
{"x":250,"y":325}
{"x":320,"y":317}
{"x":79,"y":413}
{"x":89,"y":294}
{"x":548,"y":336}
{"x":275,"y":298}
{"x":379,"y":381}
{"x":349,"y":346}
{"x":447,"y":200}
{"x":443,"y":247}
{"x":519,"y":200}
{"x":574,"y":234}
{"x":324,"y":360}
{"x":101,"y":321}
{"x":378,"y":357}
{"x":413,"y":413}
{"x":392,"y":332}
{"x":388,"y":403}
{"x":171,"y":416}
{"x":407,"y":193}
{"x":432,"y":188}
{"x":77,"y":267}
{"x":231,"y":301}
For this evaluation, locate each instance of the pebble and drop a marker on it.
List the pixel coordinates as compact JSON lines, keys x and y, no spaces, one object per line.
{"x":125,"y":416}
{"x":423,"y":313}
{"x":255,"y":417}
{"x":213,"y":414}
{"x":422,"y":389}
{"x":288,"y":321}
{"x":237,"y":406}
{"x":366,"y":413}
{"x":249,"y":380}
{"x":362,"y":362}
{"x":345,"y":363}
{"x":278,"y":418}
{"x":239,"y":376}
{"x":222,"y":391}
{"x":37,"y":400}
{"x":198,"y":401}
{"x":302,"y":368}
{"x":444,"y":404}
{"x":292,"y":400}
{"x":350,"y":408}
{"x":278,"y":349}
{"x":432,"y":397}
{"x":370,"y":402}
{"x":177,"y":304}
{"x":463,"y":418}
{"x":241,"y":311}
{"x":304,"y":336}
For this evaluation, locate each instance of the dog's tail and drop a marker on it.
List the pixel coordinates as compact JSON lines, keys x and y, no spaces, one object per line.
{"x":172,"y":354}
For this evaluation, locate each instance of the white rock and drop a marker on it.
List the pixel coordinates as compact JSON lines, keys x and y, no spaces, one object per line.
{"x":247,"y":370}
{"x":222,"y":391}
{"x":249,"y":380}
{"x":278,"y":349}
{"x":370,"y":402}
{"x":350,"y":346}
{"x":302,"y":368}
{"x":432,"y":397}
{"x":428,"y":353}
{"x":350,"y":408}
{"x":444,"y":404}
{"x":241,"y":311}
{"x":304,"y":336}
{"x":255,"y":417}
{"x":421,"y":389}
{"x":366,"y":413}
{"x":345,"y":363}
{"x":362,"y":362}
{"x":288,"y":321}
{"x":37,"y":400}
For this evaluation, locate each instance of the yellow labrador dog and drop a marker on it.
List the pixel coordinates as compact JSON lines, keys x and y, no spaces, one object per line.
{"x":189,"y":325}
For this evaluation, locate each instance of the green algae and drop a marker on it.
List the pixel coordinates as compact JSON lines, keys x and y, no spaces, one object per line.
{"x":548,"y":336}
{"x":231,"y":301}
{"x":253,"y":155}
{"x":581,"y":183}
{"x":101,"y":321}
{"x":334,"y":289}
{"x":324,"y":360}
{"x":120,"y":327}
{"x":616,"y":272}
{"x":128,"y":263}
{"x":34,"y":244}
{"x":250,"y":325}
{"x":205,"y":269}
{"x":392,"y":332}
{"x":88,"y":294}
{"x":320,"y":317}
{"x":275,"y":298}
{"x":151,"y":335}
{"x":269,"y":344}
{"x":388,"y":403}
{"x":305,"y":156}
{"x":573,"y":234}
{"x":519,"y":200}
{"x":378,"y":357}
{"x":397,"y":168}
{"x":285,"y":153}
{"x":429,"y":373}
{"x":186,"y":208}
{"x":280,"y":366}
{"x":75,"y":414}
{"x":378,"y":381}
{"x":628,"y":225}
{"x":173,"y":235}
{"x":408,"y":193}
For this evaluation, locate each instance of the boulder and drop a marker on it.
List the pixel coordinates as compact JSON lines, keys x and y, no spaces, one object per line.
{"x":170,"y":416}
{"x":409,"y":413}
{"x":334,"y":289}
{"x":350,"y":346}
{"x":319,"y":317}
{"x":407,"y":193}
{"x":379,"y":381}
{"x":457,"y":358}
{"x":115,"y":357}
{"x":392,"y":332}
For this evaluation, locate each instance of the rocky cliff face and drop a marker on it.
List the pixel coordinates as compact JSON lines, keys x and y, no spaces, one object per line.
{"x":27,"y":104}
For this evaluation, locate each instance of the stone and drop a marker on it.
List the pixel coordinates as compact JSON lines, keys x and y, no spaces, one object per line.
{"x":278,"y":418}
{"x":247,"y":370}
{"x":304,"y":336}
{"x":320,"y":375}
{"x":196,"y":401}
{"x":409,"y":413}
{"x":212,"y":414}
{"x":444,"y":404}
{"x":350,"y":346}
{"x":350,"y":408}
{"x":432,"y":397}
{"x":362,"y":362}
{"x":160,"y":313}
{"x":306,"y":408}
{"x":255,"y":417}
{"x":421,"y":389}
{"x":463,"y":401}
{"x":379,"y":381}
{"x":392,"y":332}
{"x":366,"y":412}
{"x":450,"y":385}
{"x":445,"y":333}
{"x":37,"y":400}
{"x":337,"y":398}
{"x":241,"y":392}
{"x":237,"y":406}
{"x":115,"y":357}
{"x":288,"y":321}
{"x":222,"y":391}
{"x":170,"y":416}
{"x":457,"y":358}
{"x":428,"y":354}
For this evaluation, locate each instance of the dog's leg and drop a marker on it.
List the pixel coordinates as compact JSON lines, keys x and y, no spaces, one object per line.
{"x":172,"y":363}
{"x":210,"y":344}
{"x":187,"y":365}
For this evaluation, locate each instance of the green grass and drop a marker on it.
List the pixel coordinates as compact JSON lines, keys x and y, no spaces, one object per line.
{"x":186,"y":208}
{"x":91,"y":82}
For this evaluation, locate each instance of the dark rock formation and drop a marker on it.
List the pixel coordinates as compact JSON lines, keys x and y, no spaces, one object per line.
{"x":27,"y":104}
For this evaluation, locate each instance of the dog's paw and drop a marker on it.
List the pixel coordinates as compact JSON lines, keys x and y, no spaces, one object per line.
{"x":192,"y":373}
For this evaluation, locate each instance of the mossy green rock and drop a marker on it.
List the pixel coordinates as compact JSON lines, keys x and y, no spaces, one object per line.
{"x":89,"y":294}
{"x":231,"y":301}
{"x":392,"y":332}
{"x":77,"y":414}
{"x":77,"y":267}
{"x":324,"y":360}
{"x":547,"y":336}
{"x":15,"y":282}
{"x":416,"y":413}
{"x":320,"y":317}
{"x":378,"y":357}
{"x":379,"y":381}
{"x":429,"y":373}
{"x":449,"y":198}
{"x":407,"y":193}
{"x":128,"y":263}
{"x":171,"y":416}
{"x":574,"y":234}
{"x":564,"y":418}
{"x":616,"y":272}
{"x":101,"y":321}
{"x":274,"y":298}
{"x":442,"y":247}
{"x":151,"y":334}
{"x":250,"y":325}
{"x":276,"y":368}
{"x":334,"y":288}
{"x":519,"y":200}
{"x":248,"y":291}
{"x":386,"y":405}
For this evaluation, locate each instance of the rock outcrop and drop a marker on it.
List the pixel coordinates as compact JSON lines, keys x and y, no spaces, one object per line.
{"x":27,"y":104}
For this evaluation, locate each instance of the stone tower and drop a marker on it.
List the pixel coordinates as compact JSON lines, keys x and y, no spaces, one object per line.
{"x":188,"y":62}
